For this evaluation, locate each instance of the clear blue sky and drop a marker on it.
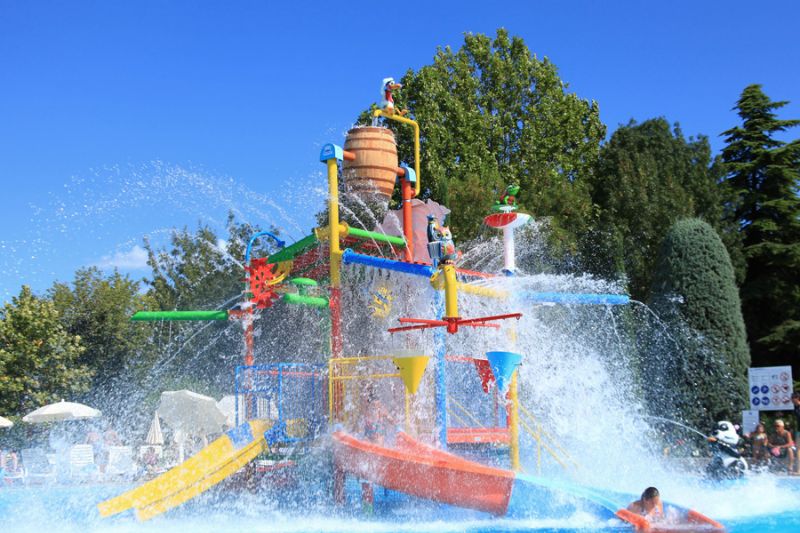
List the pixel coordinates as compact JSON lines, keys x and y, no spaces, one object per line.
{"x":124,"y":119}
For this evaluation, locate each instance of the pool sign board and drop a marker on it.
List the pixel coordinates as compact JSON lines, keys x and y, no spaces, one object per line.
{"x":770,"y":388}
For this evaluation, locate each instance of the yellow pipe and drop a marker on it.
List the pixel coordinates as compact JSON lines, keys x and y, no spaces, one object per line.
{"x":398,"y":118}
{"x":514,"y":424}
{"x":367,"y":376}
{"x":450,"y":291}
{"x":355,"y":359}
{"x":482,"y":291}
{"x":330,"y":390}
{"x":333,"y":222}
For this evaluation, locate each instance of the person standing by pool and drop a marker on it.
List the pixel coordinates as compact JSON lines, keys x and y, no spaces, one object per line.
{"x":759,"y":442}
{"x":796,"y":402}
{"x":782,"y":444}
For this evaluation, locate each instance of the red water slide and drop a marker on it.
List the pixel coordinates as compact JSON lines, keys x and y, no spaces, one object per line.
{"x":423,"y":471}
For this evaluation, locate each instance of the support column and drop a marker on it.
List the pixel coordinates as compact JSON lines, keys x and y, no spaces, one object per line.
{"x":440,"y":348}
{"x":513,"y":423}
{"x":509,"y":261}
{"x":408,"y":225}
{"x":331,"y":155}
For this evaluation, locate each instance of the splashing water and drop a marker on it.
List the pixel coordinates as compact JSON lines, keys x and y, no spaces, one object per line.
{"x":578,"y":379}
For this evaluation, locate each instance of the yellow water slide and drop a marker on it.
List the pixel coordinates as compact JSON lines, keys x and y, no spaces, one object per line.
{"x":220,"y":459}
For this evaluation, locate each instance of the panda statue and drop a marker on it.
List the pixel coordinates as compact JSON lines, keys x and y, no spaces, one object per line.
{"x":726,"y":461}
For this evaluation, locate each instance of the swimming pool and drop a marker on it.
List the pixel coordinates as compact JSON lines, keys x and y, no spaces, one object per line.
{"x":764,"y":505}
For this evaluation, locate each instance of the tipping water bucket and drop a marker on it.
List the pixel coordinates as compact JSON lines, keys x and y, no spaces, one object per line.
{"x":374,"y":171}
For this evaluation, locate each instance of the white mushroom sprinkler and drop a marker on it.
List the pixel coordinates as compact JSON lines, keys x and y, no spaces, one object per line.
{"x":508,"y":220}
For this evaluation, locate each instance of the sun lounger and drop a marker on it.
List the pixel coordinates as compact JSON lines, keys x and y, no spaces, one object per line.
{"x":37,"y":467}
{"x":120,"y":462}
{"x":81,"y":462}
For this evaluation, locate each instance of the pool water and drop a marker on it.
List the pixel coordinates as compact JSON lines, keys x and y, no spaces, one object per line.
{"x":72,"y":509}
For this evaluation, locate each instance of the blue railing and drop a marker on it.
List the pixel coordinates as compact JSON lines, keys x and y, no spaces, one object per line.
{"x":291,"y":395}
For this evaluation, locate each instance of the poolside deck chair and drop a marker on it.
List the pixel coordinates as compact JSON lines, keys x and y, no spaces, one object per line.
{"x":81,"y":462}
{"x":37,"y":466}
{"x":120,"y":462}
{"x":9,"y":474}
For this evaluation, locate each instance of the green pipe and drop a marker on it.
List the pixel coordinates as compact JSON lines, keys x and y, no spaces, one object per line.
{"x":313,"y":301}
{"x":180,"y":315}
{"x":380,"y":237}
{"x":293,"y":250}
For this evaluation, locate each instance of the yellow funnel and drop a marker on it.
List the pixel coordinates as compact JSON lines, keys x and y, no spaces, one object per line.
{"x":411,"y":370}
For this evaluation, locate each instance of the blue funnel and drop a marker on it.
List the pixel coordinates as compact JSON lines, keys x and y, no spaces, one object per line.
{"x":503,"y":365}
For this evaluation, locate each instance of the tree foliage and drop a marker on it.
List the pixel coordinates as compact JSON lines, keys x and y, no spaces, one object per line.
{"x":491,"y":113}
{"x":764,"y":175}
{"x":199,"y":270}
{"x":648,"y":176}
{"x":97,"y":308}
{"x":694,"y":292}
{"x":39,"y":359}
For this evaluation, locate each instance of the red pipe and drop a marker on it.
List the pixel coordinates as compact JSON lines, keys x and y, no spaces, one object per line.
{"x":408,"y":225}
{"x":335,"y":306}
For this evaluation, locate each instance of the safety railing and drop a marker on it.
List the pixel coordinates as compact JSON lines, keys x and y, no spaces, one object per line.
{"x":291,"y":395}
{"x":352,"y":393}
{"x":535,"y":430}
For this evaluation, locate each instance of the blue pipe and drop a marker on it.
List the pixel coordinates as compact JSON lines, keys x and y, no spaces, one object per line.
{"x":574,"y":298}
{"x":349,"y":256}
{"x":253,"y":239}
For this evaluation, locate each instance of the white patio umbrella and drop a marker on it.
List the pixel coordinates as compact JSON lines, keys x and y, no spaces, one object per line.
{"x":228,"y":407}
{"x":59,"y":411}
{"x":189,"y":413}
{"x":5,"y":422}
{"x":154,"y":435}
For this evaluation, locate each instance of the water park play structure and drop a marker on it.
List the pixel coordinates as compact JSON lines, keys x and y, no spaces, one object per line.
{"x":442,"y":427}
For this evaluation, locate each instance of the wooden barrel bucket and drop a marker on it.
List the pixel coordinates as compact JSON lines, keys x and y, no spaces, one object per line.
{"x":373,"y":173}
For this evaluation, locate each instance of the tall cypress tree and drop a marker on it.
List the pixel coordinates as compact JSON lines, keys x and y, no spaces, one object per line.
{"x":764,"y":174}
{"x":703,"y":377}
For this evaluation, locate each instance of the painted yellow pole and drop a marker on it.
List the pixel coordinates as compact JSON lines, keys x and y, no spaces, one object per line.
{"x":450,"y":291}
{"x":333,"y":222}
{"x":335,"y":261}
{"x":404,"y":120}
{"x":330,"y":390}
{"x":514,"y":424}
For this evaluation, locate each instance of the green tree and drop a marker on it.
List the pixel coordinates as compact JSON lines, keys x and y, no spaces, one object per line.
{"x":98,"y":308}
{"x":200,"y":271}
{"x":694,"y":292}
{"x":492,"y":113}
{"x":39,"y":360}
{"x":648,"y":176}
{"x":763,"y":173}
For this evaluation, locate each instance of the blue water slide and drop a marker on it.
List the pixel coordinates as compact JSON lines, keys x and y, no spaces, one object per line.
{"x":351,"y":257}
{"x":533,"y":496}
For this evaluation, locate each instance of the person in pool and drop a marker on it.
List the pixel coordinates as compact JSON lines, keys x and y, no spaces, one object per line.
{"x":649,"y":505}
